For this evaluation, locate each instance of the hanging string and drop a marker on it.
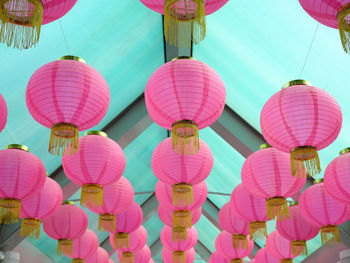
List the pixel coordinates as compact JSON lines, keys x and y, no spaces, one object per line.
{"x":11,"y":136}
{"x":64,"y":36}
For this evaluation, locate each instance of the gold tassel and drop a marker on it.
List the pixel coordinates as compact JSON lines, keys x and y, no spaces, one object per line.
{"x":64,"y":139}
{"x":78,"y":260}
{"x":9,"y":210}
{"x":182,"y":195}
{"x":30,"y":227}
{"x":329,"y":233}
{"x":258,"y":230}
{"x":185,"y":137}
{"x":182,"y":218}
{"x":91,"y":195}
{"x":239,"y":241}
{"x":344,"y":26}
{"x":179,"y":256}
{"x":65,"y":246}
{"x":237,"y":260}
{"x":107,"y":222}
{"x":287,"y":260}
{"x":179,"y":233}
{"x":277,"y":207}
{"x":121,"y":241}
{"x":304,"y":161}
{"x":128,"y":257}
{"x":299,"y":247}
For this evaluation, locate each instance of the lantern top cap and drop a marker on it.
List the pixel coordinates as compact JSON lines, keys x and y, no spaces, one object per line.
{"x":317,"y":181}
{"x":296,"y":82}
{"x":293,"y":203}
{"x":265,"y":146}
{"x":18,"y":146}
{"x":70,"y":57}
{"x":100,"y":133}
{"x":344,"y":151}
{"x":183,"y":57}
{"x":67,"y":202}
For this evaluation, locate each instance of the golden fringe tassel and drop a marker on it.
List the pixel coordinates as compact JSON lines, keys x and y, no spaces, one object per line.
{"x":329,"y":233}
{"x":179,"y":233}
{"x":344,"y":26}
{"x":65,"y":246}
{"x":299,"y":247}
{"x":121,"y":241}
{"x":107,"y":222}
{"x":78,"y":260}
{"x":64,"y":139}
{"x":182,"y":195}
{"x":237,"y":260}
{"x":182,"y":218}
{"x":277,"y":207}
{"x":179,"y":256}
{"x":91,"y":195}
{"x":258,"y":230}
{"x":9,"y":210}
{"x":239,"y":241}
{"x":185,"y":137}
{"x":128,"y":257}
{"x":30,"y":227}
{"x":287,"y":260}
{"x":304,"y":161}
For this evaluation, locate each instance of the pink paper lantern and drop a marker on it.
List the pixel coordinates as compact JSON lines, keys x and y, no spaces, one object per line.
{"x":99,"y":161}
{"x":170,"y":256}
{"x":182,"y":172}
{"x":40,"y":206}
{"x":84,"y":247}
{"x":301,"y":120}
{"x":22,"y":176}
{"x":3,"y":113}
{"x":140,"y":256}
{"x":216,"y":257}
{"x":47,"y":103}
{"x":110,"y":261}
{"x":167,"y":239}
{"x":317,"y":206}
{"x":297,"y":229}
{"x":263,"y":256}
{"x":185,"y":95}
{"x":151,"y":261}
{"x":280,"y":247}
{"x":236,"y":226}
{"x":251,"y":209}
{"x":101,"y":256}
{"x":137,"y":240}
{"x":117,"y":197}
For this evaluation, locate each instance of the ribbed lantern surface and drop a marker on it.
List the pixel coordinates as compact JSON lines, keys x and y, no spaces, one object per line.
{"x":140,"y":256}
{"x":137,"y":240}
{"x":3,"y":113}
{"x":279,"y":247}
{"x":263,"y":256}
{"x":84,"y":247}
{"x":168,"y":255}
{"x":216,"y":257}
{"x":166,"y":237}
{"x":101,"y":256}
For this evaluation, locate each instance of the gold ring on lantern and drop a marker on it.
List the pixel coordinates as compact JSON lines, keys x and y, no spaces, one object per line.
{"x":265,"y":146}
{"x":344,"y":151}
{"x":100,"y":133}
{"x":317,"y":181}
{"x":183,"y":57}
{"x":296,"y":82}
{"x":18,"y":146}
{"x":74,"y":58}
{"x":67,"y":202}
{"x":293,"y":203}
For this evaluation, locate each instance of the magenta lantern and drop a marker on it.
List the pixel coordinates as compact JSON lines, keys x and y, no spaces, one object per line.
{"x":216,"y":257}
{"x":263,"y":256}
{"x":185,"y":95}
{"x":137,"y":240}
{"x":317,"y":206}
{"x":101,"y":256}
{"x":3,"y":113}
{"x":301,"y":120}
{"x":167,"y":239}
{"x":170,"y":256}
{"x":46,"y":98}
{"x":22,"y":176}
{"x":42,"y":205}
{"x":140,"y":256}
{"x":98,"y":162}
{"x":117,"y":197}
{"x":251,"y":209}
{"x":280,"y":247}
{"x":181,"y":171}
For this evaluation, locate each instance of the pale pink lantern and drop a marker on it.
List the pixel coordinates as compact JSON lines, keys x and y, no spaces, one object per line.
{"x":101,"y":256}
{"x":22,"y":176}
{"x":40,"y":206}
{"x":68,"y":223}
{"x":111,"y":261}
{"x":280,"y":247}
{"x":263,"y":256}
{"x":185,"y":95}
{"x":99,"y":161}
{"x":297,"y":229}
{"x":238,"y":227}
{"x":3,"y":113}
{"x":317,"y":206}
{"x":117,"y":197}
{"x":216,"y":257}
{"x":182,"y":172}
{"x":47,"y":102}
{"x":267,"y":174}
{"x":301,"y":120}
{"x":251,"y":209}
{"x":140,"y":256}
{"x":151,"y":261}
{"x":168,"y":256}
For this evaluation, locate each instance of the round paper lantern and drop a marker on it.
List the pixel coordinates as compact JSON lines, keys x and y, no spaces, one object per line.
{"x":22,"y":176}
{"x":42,"y":205}
{"x":267,"y":174}
{"x":317,"y":206}
{"x":140,"y":256}
{"x":181,"y":171}
{"x":263,"y":256}
{"x":170,"y":256}
{"x":166,"y":237}
{"x":137,"y":240}
{"x":21,"y":20}
{"x":238,"y":227}
{"x":185,"y":95}
{"x":216,"y":257}
{"x":101,"y":256}
{"x":251,"y":209}
{"x":99,"y":161}
{"x":280,"y":247}
{"x":110,"y":261}
{"x":117,"y":197}
{"x":301,"y":120}
{"x":297,"y":229}
{"x":68,"y":223}
{"x":3,"y":113}
{"x":47,"y":102}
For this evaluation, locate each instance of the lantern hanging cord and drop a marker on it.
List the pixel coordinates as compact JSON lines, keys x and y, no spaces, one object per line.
{"x":64,"y":36}
{"x":11,"y":135}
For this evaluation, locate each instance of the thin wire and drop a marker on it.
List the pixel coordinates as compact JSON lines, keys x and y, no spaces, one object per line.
{"x":11,"y":136}
{"x":64,"y":37}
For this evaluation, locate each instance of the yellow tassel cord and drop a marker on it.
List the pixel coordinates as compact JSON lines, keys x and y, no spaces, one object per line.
{"x":237,"y":260}
{"x":182,"y":195}
{"x":9,"y":210}
{"x":30,"y":227}
{"x":344,"y":27}
{"x":258,"y":230}
{"x":179,"y":256}
{"x":304,"y":161}
{"x":64,"y":139}
{"x":277,"y":207}
{"x":185,"y":137}
{"x":179,"y":233}
{"x":107,"y":222}
{"x":78,"y":260}
{"x":287,"y":260}
{"x":239,"y":241}
{"x":91,"y":195}
{"x":329,"y":233}
{"x":121,"y":241}
{"x":65,"y":246}
{"x":182,"y":218}
{"x":299,"y":247}
{"x":128,"y":257}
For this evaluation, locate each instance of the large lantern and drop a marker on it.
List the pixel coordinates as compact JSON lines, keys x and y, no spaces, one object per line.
{"x":317,"y":206}
{"x":185,"y":95}
{"x":22,"y":176}
{"x":181,"y":171}
{"x":3,"y":113}
{"x":267,"y":174}
{"x":101,"y":256}
{"x":168,"y":256}
{"x":99,"y":161}
{"x":280,"y":247}
{"x":263,"y":256}
{"x":47,"y":102}
{"x":140,"y":256}
{"x":301,"y":120}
